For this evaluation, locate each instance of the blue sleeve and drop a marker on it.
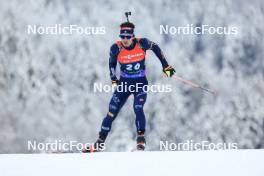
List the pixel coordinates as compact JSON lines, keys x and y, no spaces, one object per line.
{"x":114,"y":50}
{"x":147,"y":44}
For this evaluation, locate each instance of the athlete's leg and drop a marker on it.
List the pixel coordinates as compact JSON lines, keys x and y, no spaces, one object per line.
{"x":117,"y":101}
{"x":139,"y":101}
{"x":140,"y":97}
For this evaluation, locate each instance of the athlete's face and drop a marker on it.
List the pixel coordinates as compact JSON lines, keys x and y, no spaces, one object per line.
{"x":127,"y":41}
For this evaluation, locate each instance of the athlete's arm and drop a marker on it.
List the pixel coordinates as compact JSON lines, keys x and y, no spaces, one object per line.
{"x":114,"y":50}
{"x":147,"y":44}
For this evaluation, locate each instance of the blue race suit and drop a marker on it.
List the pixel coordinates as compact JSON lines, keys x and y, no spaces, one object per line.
{"x":132,"y":71}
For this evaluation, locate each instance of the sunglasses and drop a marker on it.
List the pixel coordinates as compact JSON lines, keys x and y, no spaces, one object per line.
{"x":125,"y":36}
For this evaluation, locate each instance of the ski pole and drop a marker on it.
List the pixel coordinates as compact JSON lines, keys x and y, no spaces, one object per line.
{"x":194,"y":85}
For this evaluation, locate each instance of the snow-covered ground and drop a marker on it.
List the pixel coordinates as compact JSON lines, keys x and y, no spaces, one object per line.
{"x":204,"y":163}
{"x":46,"y":81}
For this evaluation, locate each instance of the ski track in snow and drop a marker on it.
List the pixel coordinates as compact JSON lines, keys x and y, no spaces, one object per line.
{"x":182,"y":163}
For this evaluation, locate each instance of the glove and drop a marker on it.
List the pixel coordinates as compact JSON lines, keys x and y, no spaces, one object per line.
{"x":115,"y":82}
{"x":169,"y":71}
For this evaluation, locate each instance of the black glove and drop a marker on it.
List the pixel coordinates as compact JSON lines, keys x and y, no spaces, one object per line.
{"x":169,"y":71}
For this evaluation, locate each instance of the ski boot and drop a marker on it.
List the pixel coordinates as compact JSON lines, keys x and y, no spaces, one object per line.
{"x":141,"y":142}
{"x":98,"y":146}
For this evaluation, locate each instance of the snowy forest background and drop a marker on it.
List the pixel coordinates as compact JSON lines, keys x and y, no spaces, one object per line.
{"x":46,"y":81}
